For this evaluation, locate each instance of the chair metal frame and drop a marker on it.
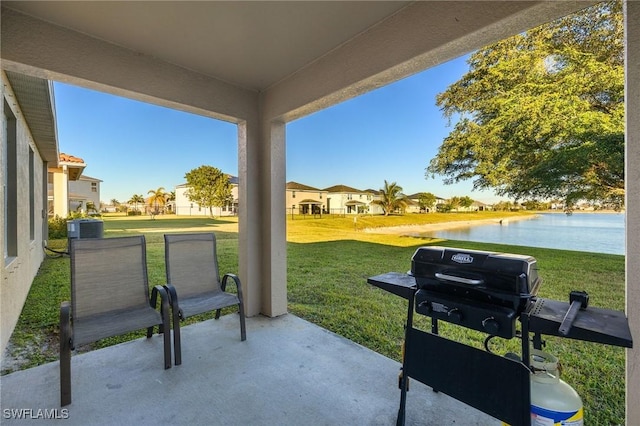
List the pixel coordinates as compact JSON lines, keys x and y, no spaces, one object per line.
{"x":88,"y":319}
{"x":204,"y":301}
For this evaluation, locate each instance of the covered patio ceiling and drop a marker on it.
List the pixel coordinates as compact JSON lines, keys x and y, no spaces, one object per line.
{"x":263,"y":64}
{"x":263,"y":47}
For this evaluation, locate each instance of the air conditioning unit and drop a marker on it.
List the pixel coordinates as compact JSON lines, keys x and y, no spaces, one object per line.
{"x":84,"y":228}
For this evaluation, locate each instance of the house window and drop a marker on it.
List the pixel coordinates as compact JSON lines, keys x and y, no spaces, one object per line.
{"x":94,"y":187}
{"x":320,"y":195}
{"x":349,"y":196}
{"x":32,"y":197}
{"x":293,"y":194}
{"x":10,"y":181}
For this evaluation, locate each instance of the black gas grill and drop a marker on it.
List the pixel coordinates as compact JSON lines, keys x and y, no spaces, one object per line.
{"x":475,"y":289}
{"x":492,"y":293}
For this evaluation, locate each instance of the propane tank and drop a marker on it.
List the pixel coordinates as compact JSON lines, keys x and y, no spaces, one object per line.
{"x":553,"y":402}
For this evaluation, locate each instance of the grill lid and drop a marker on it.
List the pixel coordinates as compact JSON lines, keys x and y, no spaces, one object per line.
{"x":498,"y":278}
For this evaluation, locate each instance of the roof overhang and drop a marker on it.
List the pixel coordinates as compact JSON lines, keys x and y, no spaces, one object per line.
{"x":74,"y":171}
{"x":219,"y":58}
{"x":35,"y":99}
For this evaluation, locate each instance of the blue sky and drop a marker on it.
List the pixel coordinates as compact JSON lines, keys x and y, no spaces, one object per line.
{"x":390,"y":133}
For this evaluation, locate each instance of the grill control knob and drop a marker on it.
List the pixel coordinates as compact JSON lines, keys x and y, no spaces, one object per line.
{"x":455,"y":315}
{"x":490,"y":325}
{"x":426,"y":307}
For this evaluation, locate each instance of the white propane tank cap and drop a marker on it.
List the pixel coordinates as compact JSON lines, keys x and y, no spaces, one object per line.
{"x":543,"y":360}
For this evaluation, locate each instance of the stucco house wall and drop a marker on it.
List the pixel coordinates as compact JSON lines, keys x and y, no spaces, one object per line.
{"x":21,"y":221}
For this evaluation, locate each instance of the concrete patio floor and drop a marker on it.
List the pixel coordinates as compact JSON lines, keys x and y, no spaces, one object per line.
{"x":287,"y":372}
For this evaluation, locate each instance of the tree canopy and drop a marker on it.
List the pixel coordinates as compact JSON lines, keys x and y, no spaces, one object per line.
{"x":209,"y":187}
{"x":426,"y":200}
{"x":540,"y":115}
{"x":136,"y":199}
{"x":157,"y":199}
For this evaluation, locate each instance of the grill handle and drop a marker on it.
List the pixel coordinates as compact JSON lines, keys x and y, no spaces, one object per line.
{"x":461,"y":280}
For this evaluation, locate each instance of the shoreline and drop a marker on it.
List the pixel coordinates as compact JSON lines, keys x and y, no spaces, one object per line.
{"x":418,"y":230}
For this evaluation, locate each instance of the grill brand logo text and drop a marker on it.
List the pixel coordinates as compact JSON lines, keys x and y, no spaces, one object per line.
{"x":462,"y":258}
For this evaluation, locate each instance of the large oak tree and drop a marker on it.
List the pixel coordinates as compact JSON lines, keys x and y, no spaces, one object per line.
{"x":541,"y":115}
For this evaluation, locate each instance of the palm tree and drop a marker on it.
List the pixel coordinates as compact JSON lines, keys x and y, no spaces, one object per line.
{"x":171,"y":196}
{"x":392,"y":198}
{"x":157,"y":199}
{"x":136,"y":199}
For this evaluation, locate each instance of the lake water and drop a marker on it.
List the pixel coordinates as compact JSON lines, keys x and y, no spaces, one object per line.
{"x":591,"y":232}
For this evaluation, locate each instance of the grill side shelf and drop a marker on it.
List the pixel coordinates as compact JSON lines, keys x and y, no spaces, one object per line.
{"x":597,"y":325}
{"x":403,"y":285}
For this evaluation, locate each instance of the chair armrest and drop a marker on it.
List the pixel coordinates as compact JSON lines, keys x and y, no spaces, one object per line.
{"x":235,"y":278}
{"x":66,"y":346}
{"x":164,"y":298}
{"x":65,"y":324}
{"x":173,"y":299}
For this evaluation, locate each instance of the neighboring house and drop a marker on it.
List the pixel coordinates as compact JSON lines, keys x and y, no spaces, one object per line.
{"x":304,"y":199}
{"x":343,"y":199}
{"x":29,"y":146}
{"x":83,"y":191}
{"x":184,"y":207}
{"x":68,"y":189}
{"x":479,"y":206}
{"x":68,"y":169}
{"x":374,"y":195}
{"x":414,"y":205}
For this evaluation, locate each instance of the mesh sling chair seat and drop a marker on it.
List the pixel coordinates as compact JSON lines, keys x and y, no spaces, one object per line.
{"x":109,"y":297}
{"x":193,"y":281}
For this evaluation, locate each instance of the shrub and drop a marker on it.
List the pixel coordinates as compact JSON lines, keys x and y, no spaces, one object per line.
{"x":57,"y":228}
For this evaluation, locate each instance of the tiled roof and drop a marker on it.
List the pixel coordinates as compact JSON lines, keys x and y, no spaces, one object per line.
{"x":66,"y":158}
{"x":300,"y":187}
{"x":341,"y":188}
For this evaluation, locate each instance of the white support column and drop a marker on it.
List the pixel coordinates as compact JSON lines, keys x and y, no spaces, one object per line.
{"x":262,"y":216}
{"x":249,"y":216}
{"x":632,"y":179}
{"x":61,"y":192}
{"x":274,"y":219}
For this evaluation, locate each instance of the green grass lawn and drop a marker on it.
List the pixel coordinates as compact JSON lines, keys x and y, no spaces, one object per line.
{"x":329,"y":261}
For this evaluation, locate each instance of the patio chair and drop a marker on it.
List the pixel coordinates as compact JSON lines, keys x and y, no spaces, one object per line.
{"x":109,"y":297}
{"x":192,"y":274}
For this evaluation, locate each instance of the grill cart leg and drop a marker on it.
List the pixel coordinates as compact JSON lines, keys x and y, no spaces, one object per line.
{"x":404,"y":377}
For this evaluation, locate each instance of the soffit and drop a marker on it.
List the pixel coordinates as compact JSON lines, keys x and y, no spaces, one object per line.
{"x":35,"y":99}
{"x":249,"y":44}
